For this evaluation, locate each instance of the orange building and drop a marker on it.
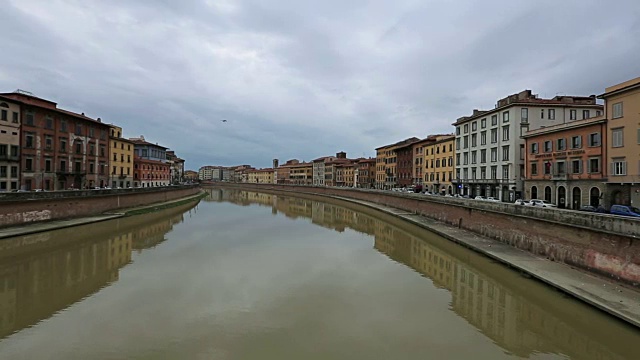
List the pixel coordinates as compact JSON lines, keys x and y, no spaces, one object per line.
{"x":565,"y":163}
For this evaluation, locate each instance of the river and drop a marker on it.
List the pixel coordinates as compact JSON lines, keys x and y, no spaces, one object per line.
{"x":246,"y":275}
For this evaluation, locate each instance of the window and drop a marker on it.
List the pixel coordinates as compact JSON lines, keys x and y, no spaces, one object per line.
{"x":3,"y":172}
{"x":48,"y":142}
{"x":617,"y":137}
{"x":63,"y":125}
{"x":465,"y":142}
{"x":560,"y":168}
{"x":92,"y":149}
{"x":483,"y":123}
{"x":494,"y":136}
{"x":63,"y":166}
{"x":505,"y":153}
{"x":617,"y":110}
{"x":29,"y":118}
{"x":534,"y":168}
{"x":505,"y":172}
{"x":47,"y":165}
{"x":483,"y":138}
{"x":91,"y":131}
{"x":14,"y":172}
{"x":474,"y":143}
{"x":541,"y":113}
{"x":576,"y":142}
{"x":547,"y":168}
{"x":457,"y":160}
{"x":78,"y":147}
{"x":576,"y":166}
{"x":466,"y":128}
{"x":14,"y":150}
{"x":3,"y":150}
{"x":594,"y":139}
{"x":78,"y":129}
{"x":457,"y":130}
{"x":562,"y":144}
{"x":619,"y":167}
{"x":28,"y":140}
{"x":552,"y":114}
{"x":534,"y":148}
{"x":92,"y":167}
{"x":457,"y":143}
{"x":524,"y":115}
{"x":505,"y":133}
{"x":572,"y":114}
{"x":494,"y":154}
{"x":473,"y":157}
{"x":585,"y":114}
{"x":15,"y":117}
{"x":28,"y":164}
{"x":102,"y":150}
{"x":63,"y":145}
{"x":505,"y":117}
{"x":494,"y":172}
{"x":465,"y":159}
{"x":473,"y":173}
{"x":3,"y":115}
{"x":494,"y":120}
{"x":548,"y":146}
{"x":78,"y":167}
{"x":483,"y":156}
{"x":598,"y":113}
{"x":48,"y":122}
{"x":474,"y":126}
{"x":594,"y":165}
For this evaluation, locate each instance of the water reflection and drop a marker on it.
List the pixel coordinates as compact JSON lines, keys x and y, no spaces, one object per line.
{"x":522,"y":316}
{"x":42,"y":274}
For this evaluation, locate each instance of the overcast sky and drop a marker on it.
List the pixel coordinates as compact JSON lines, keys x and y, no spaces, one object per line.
{"x":302,"y":79}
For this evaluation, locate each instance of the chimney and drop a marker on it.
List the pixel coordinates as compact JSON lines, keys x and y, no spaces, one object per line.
{"x":275,"y":163}
{"x":99,"y":120}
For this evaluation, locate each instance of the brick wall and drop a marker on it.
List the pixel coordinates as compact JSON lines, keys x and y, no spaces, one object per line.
{"x":604,"y":244}
{"x":17,"y":209}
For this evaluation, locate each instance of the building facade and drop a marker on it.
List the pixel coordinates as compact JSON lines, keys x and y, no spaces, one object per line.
{"x":319,"y":170}
{"x":60,"y":149}
{"x":623,"y":143}
{"x":150,"y":164}
{"x":565,"y":163}
{"x":260,"y":176}
{"x":418,"y":149}
{"x":438,"y":162}
{"x":9,"y":144}
{"x":387,"y":164}
{"x":176,"y":167}
{"x":121,"y":168}
{"x":365,"y":173}
{"x":301,"y":174}
{"x":489,"y":145}
{"x":404,"y":166}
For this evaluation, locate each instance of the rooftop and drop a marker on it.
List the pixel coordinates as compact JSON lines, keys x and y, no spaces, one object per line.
{"x":566,"y":126}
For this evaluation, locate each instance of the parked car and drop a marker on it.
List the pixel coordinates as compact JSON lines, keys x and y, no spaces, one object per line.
{"x":624,"y":210}
{"x":490,"y":198}
{"x":588,"y":208}
{"x":479,"y":197}
{"x":522,"y":202}
{"x":541,"y":203}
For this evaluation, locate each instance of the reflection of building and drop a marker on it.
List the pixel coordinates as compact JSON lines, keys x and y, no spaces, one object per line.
{"x":41,"y":274}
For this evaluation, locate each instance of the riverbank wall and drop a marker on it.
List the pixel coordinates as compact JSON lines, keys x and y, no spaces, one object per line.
{"x":603,"y":244}
{"x":24,"y":208}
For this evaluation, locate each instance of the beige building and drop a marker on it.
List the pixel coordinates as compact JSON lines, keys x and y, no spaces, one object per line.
{"x":121,"y":161}
{"x":418,"y":160}
{"x":260,"y":176}
{"x":622,"y":106}
{"x":9,"y":145}
{"x":439,"y":167}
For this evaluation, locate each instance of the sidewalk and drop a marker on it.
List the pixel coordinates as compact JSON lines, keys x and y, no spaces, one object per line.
{"x":616,"y":299}
{"x":37,"y":227}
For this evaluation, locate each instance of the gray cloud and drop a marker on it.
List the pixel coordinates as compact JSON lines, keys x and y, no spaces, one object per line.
{"x":305,"y":80}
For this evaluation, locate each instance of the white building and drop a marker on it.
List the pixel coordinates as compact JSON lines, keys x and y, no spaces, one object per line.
{"x":489,"y":148}
{"x":318,"y":169}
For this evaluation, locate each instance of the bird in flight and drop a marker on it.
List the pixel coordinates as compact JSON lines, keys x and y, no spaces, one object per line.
{"x":224,"y":120}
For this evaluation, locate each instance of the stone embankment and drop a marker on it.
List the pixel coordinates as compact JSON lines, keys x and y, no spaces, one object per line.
{"x":18,"y":209}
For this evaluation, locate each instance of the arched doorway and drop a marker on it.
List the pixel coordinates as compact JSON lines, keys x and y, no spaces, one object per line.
{"x":562,"y":197}
{"x":547,"y":193}
{"x":576,"y":197}
{"x":594,"y":197}
{"x":534,"y":192}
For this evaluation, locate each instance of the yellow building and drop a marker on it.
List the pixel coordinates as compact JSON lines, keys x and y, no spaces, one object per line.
{"x":439,"y":166}
{"x":622,"y":104}
{"x":121,"y":161}
{"x":261,"y":176}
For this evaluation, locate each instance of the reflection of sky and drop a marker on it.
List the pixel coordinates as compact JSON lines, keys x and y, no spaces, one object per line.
{"x":240,"y":283}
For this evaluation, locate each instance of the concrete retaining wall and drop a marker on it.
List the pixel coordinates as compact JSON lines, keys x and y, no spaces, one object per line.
{"x":604,"y":244}
{"x":21,"y":208}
